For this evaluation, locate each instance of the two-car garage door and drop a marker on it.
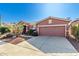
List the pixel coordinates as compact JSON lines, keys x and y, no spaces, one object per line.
{"x":52,"y":31}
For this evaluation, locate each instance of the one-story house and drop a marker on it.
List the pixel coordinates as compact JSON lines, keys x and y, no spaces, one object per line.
{"x":52,"y":26}
{"x":21,"y":25}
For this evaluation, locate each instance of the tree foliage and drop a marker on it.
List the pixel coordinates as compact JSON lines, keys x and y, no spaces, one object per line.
{"x":75,"y":31}
{"x":4,"y":30}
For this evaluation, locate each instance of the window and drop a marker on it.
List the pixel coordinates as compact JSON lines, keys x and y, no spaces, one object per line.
{"x":50,"y":21}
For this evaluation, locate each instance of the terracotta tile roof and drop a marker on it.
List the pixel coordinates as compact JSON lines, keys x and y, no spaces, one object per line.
{"x":51,"y":17}
{"x":22,"y":22}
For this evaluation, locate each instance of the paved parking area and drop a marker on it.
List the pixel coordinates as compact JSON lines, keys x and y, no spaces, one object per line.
{"x":48,"y":44}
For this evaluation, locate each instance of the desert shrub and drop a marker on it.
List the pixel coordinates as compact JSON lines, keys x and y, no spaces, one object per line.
{"x":4,"y":30}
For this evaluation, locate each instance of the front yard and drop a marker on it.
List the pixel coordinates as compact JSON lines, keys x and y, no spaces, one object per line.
{"x":43,"y":46}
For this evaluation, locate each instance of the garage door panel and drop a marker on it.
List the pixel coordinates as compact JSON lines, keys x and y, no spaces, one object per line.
{"x":52,"y":31}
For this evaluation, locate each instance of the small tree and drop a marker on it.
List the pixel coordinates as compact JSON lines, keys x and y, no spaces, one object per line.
{"x":16,"y":30}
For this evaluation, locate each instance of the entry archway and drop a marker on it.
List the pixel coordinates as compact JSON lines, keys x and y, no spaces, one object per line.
{"x":71,"y":24}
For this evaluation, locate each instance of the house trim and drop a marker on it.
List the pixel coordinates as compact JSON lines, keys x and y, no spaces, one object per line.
{"x":52,"y":25}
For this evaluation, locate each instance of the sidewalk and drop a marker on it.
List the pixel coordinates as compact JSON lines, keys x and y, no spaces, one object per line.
{"x":15,"y":50}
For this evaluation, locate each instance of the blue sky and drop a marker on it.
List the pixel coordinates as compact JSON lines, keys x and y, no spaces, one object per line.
{"x":31,"y":12}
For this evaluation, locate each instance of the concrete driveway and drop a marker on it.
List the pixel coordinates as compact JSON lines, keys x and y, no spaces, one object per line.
{"x":48,"y":44}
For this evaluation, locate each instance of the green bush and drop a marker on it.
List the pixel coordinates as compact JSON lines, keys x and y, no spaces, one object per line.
{"x":33,"y":32}
{"x":4,"y":30}
{"x":30,"y":32}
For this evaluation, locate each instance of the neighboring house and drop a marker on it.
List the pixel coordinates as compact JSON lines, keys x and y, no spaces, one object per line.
{"x":52,"y":26}
{"x":22,"y":23}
